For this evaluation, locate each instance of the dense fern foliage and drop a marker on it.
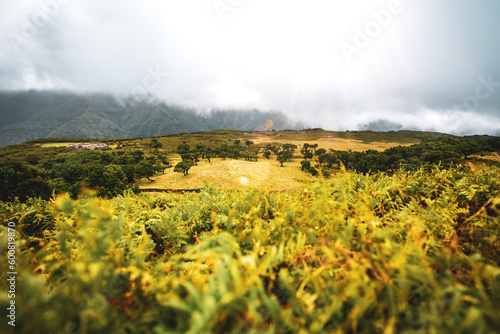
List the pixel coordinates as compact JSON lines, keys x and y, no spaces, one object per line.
{"x":409,"y":253}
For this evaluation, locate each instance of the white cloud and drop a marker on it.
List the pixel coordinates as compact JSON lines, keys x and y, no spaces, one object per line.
{"x":44,"y":81}
{"x":280,"y":55}
{"x":231,"y":92}
{"x":448,"y":121}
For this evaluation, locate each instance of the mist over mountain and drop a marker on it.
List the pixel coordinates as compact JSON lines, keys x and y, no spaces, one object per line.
{"x":381,"y":125}
{"x":27,"y":115}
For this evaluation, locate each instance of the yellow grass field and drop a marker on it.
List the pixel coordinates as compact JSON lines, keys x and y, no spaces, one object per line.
{"x":263,"y":174}
{"x":233,"y":174}
{"x":329,"y":142}
{"x":355,"y":141}
{"x":54,"y":144}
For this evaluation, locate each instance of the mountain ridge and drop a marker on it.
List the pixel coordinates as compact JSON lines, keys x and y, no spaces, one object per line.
{"x":32,"y":114}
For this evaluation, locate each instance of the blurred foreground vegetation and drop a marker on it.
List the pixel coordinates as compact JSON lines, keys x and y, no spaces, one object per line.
{"x":415,"y":252}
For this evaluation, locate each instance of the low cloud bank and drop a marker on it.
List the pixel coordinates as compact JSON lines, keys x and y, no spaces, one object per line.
{"x":456,"y":122}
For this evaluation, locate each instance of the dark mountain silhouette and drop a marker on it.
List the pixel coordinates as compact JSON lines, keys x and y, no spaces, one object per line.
{"x":27,"y":115}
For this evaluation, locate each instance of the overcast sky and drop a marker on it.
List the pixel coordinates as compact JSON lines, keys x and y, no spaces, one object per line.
{"x":419,"y":64}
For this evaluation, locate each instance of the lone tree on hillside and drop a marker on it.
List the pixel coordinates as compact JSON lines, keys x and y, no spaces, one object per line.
{"x":157,"y":145}
{"x":183,"y":167}
{"x":281,"y":159}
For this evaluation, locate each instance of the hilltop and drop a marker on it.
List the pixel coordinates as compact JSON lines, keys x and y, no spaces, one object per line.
{"x":231,"y":159}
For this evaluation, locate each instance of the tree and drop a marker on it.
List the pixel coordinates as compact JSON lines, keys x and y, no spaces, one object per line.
{"x":18,"y":179}
{"x":467,"y":148}
{"x":93,"y":173}
{"x":144,"y":169}
{"x":287,"y":154}
{"x":202,"y":149}
{"x":69,"y":171}
{"x":272,"y":148}
{"x":183,"y":167}
{"x":306,"y":152}
{"x":183,"y":148}
{"x":254,"y":155}
{"x":305,"y":165}
{"x":157,"y":145}
{"x":109,"y":179}
{"x":138,"y":155}
{"x":152,"y":143}
{"x":186,"y":156}
{"x":372,"y":161}
{"x":320,"y":151}
{"x":33,"y":159}
{"x":114,"y":181}
{"x":235,"y":154}
{"x":290,"y":147}
{"x":129,"y":171}
{"x":313,"y":171}
{"x":208,"y":156}
{"x":159,"y":168}
{"x":328,"y":158}
{"x":195,"y":156}
{"x":163,"y":159}
{"x":281,"y":159}
{"x":267,"y":154}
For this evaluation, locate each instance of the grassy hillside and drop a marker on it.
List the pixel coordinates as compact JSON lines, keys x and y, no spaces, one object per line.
{"x":230,"y":173}
{"x":68,"y":169}
{"x":351,"y":140}
{"x":233,"y":174}
{"x":266,"y":174}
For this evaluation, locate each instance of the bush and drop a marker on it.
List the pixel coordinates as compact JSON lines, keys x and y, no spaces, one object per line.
{"x":413,"y":252}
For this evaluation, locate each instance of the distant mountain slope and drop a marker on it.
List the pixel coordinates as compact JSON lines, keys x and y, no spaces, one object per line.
{"x":28,"y":115}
